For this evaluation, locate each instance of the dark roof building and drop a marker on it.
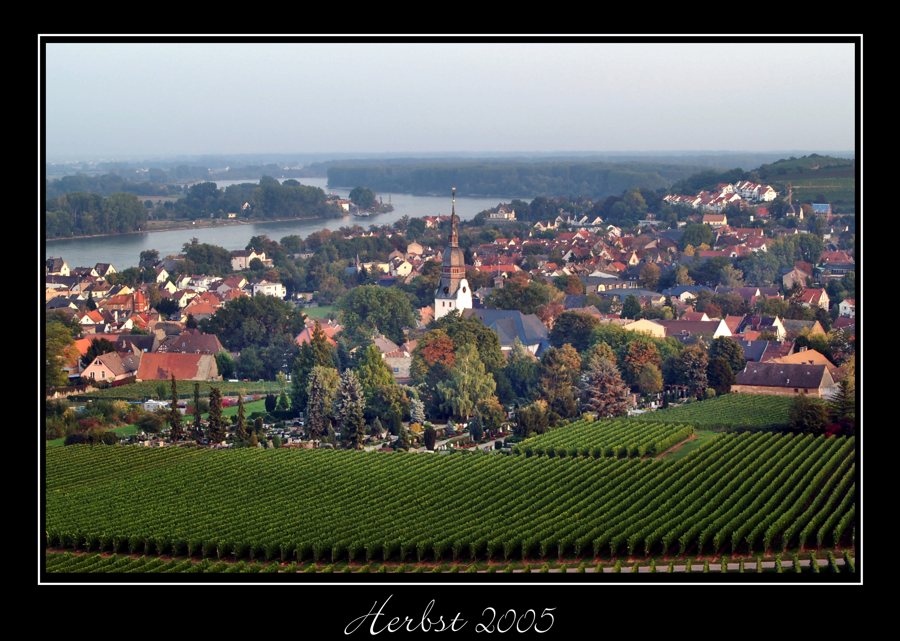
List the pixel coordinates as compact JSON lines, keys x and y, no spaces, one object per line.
{"x":510,"y":324}
{"x":784,"y":379}
{"x":191,"y":341}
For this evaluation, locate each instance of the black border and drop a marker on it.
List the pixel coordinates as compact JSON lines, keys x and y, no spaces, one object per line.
{"x":591,"y":609}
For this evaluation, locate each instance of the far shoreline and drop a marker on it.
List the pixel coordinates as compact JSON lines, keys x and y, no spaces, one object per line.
{"x":182,"y":226}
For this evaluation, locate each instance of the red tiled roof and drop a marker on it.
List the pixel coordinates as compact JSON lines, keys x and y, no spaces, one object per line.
{"x":161,"y":366}
{"x":329,"y":330}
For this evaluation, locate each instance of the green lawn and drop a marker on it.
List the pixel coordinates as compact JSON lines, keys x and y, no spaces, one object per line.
{"x":703,"y":437}
{"x":319,"y":312}
{"x":147,"y":389}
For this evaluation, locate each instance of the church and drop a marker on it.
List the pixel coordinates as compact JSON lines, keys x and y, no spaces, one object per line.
{"x":453,"y":292}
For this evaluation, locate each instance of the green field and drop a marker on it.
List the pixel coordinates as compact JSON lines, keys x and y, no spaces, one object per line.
{"x":613,"y":438}
{"x":742,"y":493}
{"x":752,"y":411}
{"x":815,"y":179}
{"x":321,"y":311}
{"x":147,"y":389}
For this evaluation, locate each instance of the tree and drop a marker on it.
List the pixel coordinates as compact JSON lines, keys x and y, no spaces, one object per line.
{"x":363,"y":197}
{"x":843,"y":403}
{"x":560,"y":369}
{"x":240,"y":425}
{"x":258,"y":425}
{"x":522,"y":371}
{"x":729,"y":276}
{"x":148,"y":258}
{"x":691,"y":367}
{"x":532,"y":419}
{"x":471,"y":331}
{"x":720,"y":375}
{"x":435,"y":347}
{"x":318,"y":351}
{"x":255,"y":321}
{"x":490,"y":414}
{"x":198,"y":429}
{"x":373,"y":372}
{"x":649,"y":276}
{"x":370,"y":309}
{"x":416,"y":411}
{"x":729,"y":349}
{"x":523,"y":295}
{"x":639,"y":353}
{"x":191,"y":322}
{"x":253,"y":441}
{"x":377,"y":428}
{"x":152,"y":422}
{"x":468,"y":383}
{"x":603,"y":391}
{"x":216,"y":427}
{"x":270,"y":403}
{"x":322,"y":392}
{"x":682,"y":277}
{"x":98,"y":347}
{"x":573,"y":328}
{"x":167,"y":306}
{"x":649,"y":380}
{"x":283,"y":404}
{"x":350,"y":410}
{"x":429,"y":436}
{"x":59,"y":351}
{"x":631,"y":308}
{"x":476,"y":429}
{"x":175,"y":430}
{"x":225,"y":364}
{"x":598,"y":351}
{"x":808,"y":414}
{"x":696,"y":234}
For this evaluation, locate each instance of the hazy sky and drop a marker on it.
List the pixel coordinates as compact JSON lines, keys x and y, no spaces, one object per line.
{"x":133,"y":99}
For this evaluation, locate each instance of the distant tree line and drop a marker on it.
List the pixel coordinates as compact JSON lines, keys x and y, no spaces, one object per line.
{"x":526,"y":178}
{"x":82,"y":213}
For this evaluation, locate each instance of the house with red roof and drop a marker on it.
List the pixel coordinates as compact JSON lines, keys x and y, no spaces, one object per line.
{"x":185,"y":367}
{"x":814,"y":297}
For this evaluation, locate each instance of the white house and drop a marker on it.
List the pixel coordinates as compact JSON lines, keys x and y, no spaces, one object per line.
{"x":847,"y":307}
{"x":266,"y":288}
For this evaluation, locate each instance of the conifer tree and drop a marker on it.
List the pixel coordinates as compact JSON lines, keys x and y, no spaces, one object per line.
{"x":215,"y":430}
{"x":350,"y":408}
{"x":175,"y":430}
{"x":602,"y":390}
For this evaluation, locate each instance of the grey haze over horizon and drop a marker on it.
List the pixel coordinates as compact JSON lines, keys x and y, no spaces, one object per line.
{"x":143,"y":100}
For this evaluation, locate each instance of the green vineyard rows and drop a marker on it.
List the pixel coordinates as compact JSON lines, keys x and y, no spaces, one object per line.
{"x":618,"y":438}
{"x":755,"y":411}
{"x":742,"y":493}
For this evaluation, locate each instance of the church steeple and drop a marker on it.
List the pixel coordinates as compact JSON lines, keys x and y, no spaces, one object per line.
{"x":454,"y":221}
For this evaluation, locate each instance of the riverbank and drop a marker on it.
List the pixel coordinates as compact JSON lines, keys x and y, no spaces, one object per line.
{"x":176,"y":225}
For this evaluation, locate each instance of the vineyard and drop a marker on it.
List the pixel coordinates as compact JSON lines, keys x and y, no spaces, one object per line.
{"x":742,"y":493}
{"x":756,"y":411}
{"x":147,"y":389}
{"x":95,"y":563}
{"x":619,"y":438}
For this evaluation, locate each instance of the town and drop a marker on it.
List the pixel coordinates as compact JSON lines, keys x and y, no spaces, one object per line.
{"x":434,"y":334}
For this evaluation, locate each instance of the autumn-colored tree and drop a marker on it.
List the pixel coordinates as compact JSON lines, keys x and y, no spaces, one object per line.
{"x":549,"y":313}
{"x":640,"y":352}
{"x":649,"y":379}
{"x":681,"y":275}
{"x":532,"y":419}
{"x":435,"y":347}
{"x":490,"y":414}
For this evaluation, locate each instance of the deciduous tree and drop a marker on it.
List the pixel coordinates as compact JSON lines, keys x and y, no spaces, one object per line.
{"x":603,"y":392}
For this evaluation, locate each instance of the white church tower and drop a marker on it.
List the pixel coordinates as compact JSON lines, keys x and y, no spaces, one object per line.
{"x":453,"y":292}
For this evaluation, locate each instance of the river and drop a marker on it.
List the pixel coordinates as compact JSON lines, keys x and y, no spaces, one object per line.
{"x":124,"y":250}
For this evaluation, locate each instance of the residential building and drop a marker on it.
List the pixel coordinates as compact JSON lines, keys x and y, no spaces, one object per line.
{"x":784,"y":379}
{"x":847,"y":308}
{"x":265,"y":288}
{"x":185,"y":367}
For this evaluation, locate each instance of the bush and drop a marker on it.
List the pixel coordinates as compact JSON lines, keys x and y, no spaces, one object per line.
{"x":808,"y":414}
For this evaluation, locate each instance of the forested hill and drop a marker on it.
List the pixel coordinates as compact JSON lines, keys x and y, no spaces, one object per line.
{"x":594,"y":179}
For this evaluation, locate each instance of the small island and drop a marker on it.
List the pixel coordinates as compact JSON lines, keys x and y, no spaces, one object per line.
{"x":366,"y":203}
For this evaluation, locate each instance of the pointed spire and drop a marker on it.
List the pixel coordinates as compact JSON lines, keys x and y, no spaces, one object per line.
{"x":454,"y":221}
